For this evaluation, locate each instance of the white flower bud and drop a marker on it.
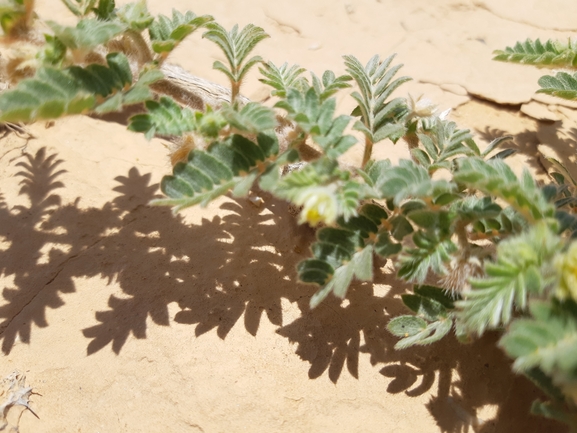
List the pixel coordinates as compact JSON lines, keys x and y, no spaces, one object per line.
{"x":421,"y":107}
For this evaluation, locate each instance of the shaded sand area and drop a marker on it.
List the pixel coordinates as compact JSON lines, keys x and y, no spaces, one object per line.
{"x":125,"y":318}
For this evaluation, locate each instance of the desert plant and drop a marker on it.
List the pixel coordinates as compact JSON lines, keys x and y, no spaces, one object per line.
{"x":484,"y":248}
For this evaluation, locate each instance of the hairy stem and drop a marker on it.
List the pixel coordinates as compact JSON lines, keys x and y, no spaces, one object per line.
{"x":143,"y":53}
{"x":368,"y":151}
{"x":235,"y":90}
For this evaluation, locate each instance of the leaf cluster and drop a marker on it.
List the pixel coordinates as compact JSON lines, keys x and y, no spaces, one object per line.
{"x":433,"y":317}
{"x":497,"y":246}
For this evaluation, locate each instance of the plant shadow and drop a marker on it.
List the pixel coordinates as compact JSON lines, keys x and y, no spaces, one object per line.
{"x":157,"y":258}
{"x":561,"y":142}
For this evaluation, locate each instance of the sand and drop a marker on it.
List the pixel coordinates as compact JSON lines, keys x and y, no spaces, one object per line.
{"x":122,"y":317}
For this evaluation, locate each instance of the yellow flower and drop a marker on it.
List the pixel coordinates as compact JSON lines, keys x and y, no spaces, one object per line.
{"x":567,"y":266}
{"x":319,"y":204}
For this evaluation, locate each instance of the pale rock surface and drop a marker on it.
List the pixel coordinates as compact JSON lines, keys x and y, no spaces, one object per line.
{"x":539,"y":111}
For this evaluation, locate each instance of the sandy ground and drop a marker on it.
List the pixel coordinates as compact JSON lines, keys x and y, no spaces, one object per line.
{"x":125,"y":318}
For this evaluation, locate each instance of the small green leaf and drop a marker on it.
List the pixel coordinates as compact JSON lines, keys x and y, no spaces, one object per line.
{"x":406,"y":326}
{"x":135,"y":15}
{"x":427,"y":308}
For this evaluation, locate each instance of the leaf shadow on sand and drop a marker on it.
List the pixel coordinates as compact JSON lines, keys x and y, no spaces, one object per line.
{"x":157,"y":258}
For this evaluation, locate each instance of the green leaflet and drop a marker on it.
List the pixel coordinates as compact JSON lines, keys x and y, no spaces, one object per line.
{"x":52,"y":93}
{"x":406,"y":180}
{"x":163,"y":117}
{"x":87,"y":34}
{"x":236,"y":47}
{"x":563,"y":85}
{"x":282,"y":78}
{"x":330,"y":84}
{"x":432,"y":322}
{"x":360,"y":266}
{"x":315,"y":116}
{"x":226,"y":166}
{"x":105,"y":9}
{"x":496,"y":178}
{"x":251,"y":118}
{"x":376,"y":113}
{"x":548,"y":341}
{"x":79,"y":7}
{"x":135,"y":15}
{"x":417,"y":331}
{"x":166,"y":34}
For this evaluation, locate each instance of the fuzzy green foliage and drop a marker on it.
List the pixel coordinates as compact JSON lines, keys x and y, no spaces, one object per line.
{"x":496,"y":178}
{"x":229,"y":165}
{"x":81,"y":8}
{"x":53,"y":93}
{"x":236,"y":46}
{"x":498,"y":246}
{"x":166,"y":34}
{"x":315,"y":117}
{"x":105,"y":9}
{"x":163,"y":117}
{"x":283,"y":78}
{"x":522,"y":269}
{"x":87,"y":34}
{"x":379,"y":117}
{"x":441,"y":146}
{"x":562,"y":85}
{"x":548,"y":340}
{"x":551,"y":54}
{"x":433,"y":317}
{"x":135,"y":16}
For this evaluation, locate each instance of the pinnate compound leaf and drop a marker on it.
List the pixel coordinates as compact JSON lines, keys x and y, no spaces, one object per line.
{"x":105,"y":10}
{"x":379,"y":117}
{"x":282,"y":78}
{"x":236,"y":46}
{"x":360,"y":266}
{"x":496,"y":178}
{"x":166,"y":34}
{"x":562,"y":85}
{"x":547,"y":341}
{"x":521,"y":268}
{"x":549,"y":53}
{"x":330,"y":84}
{"x":87,"y":34}
{"x":52,"y":93}
{"x":407,"y":180}
{"x":418,"y":331}
{"x":163,"y":117}
{"x":445,"y":141}
{"x":209,"y":174}
{"x":252,"y":117}
{"x":431,"y":255}
{"x":135,"y":15}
